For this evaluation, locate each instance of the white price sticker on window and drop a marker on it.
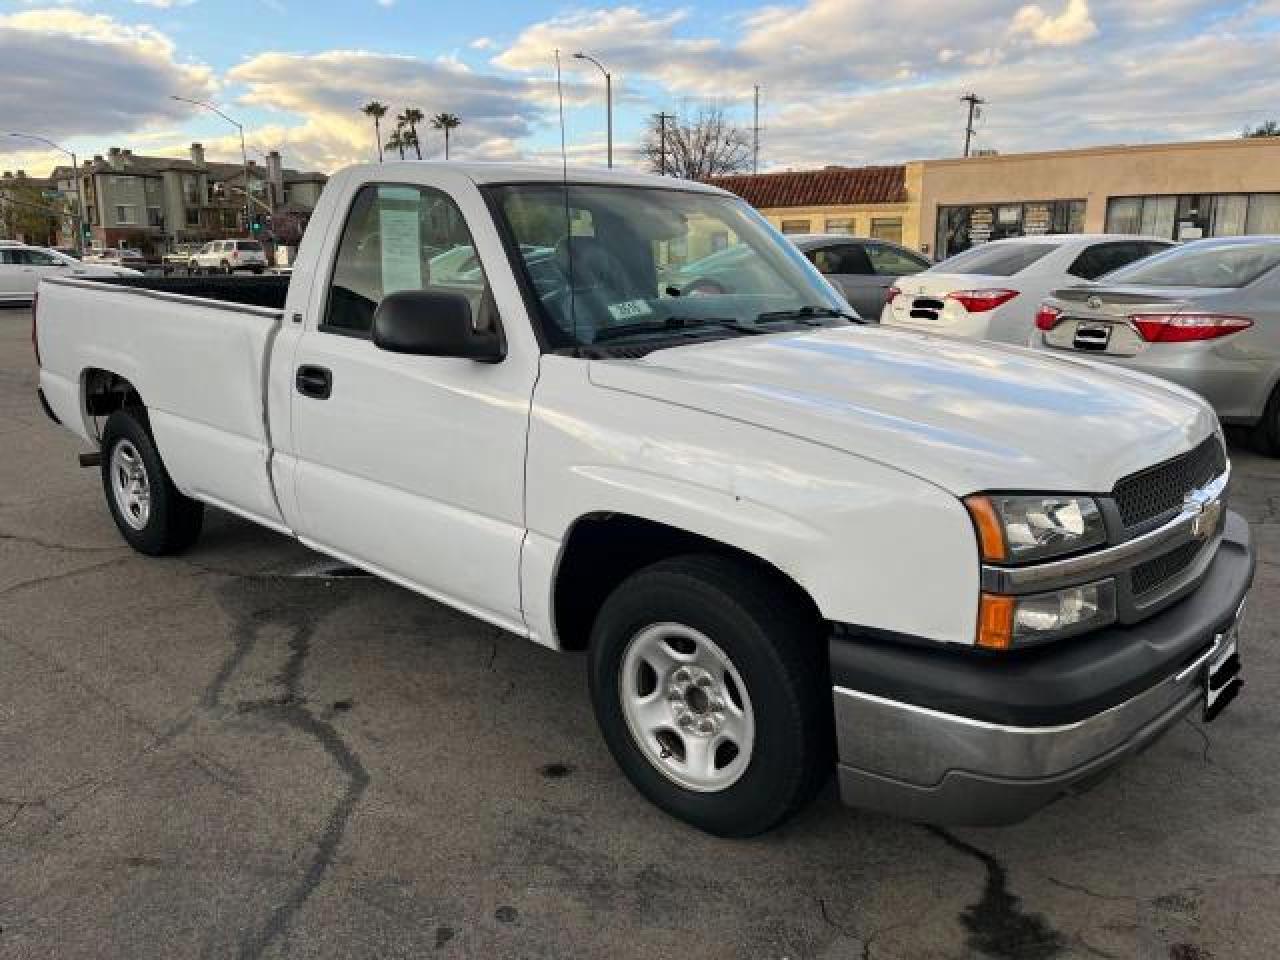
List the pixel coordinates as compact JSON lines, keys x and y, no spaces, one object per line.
{"x":630,"y":310}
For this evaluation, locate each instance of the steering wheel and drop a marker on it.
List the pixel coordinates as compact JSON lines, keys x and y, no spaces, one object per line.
{"x":704,"y":286}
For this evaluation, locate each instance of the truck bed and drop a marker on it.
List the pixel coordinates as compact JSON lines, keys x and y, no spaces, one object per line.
{"x":196,"y":350}
{"x":264,"y":291}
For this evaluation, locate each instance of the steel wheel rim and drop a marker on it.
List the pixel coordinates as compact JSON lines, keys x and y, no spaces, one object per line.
{"x":686,"y":707}
{"x":130,"y":485}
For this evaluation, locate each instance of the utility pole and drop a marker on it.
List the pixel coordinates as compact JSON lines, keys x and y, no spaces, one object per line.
{"x":974,"y":102}
{"x":755,"y":134}
{"x":662,"y":141}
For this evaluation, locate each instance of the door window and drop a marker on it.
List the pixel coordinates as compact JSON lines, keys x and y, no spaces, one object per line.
{"x":894,"y":262}
{"x":846,"y":258}
{"x":1101,"y":258}
{"x":37,"y":258}
{"x":402,"y":238}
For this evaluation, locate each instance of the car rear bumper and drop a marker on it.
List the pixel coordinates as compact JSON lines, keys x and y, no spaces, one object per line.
{"x":1235,"y":383}
{"x":989,"y":739}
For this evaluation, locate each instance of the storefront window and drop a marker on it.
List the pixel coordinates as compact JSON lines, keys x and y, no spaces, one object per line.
{"x":960,"y":228}
{"x":795,"y":226}
{"x":1195,"y":215}
{"x":840,"y":225}
{"x":887,"y":228}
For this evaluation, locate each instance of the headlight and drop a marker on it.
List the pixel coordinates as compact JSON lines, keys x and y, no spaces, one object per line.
{"x":1020,"y":529}
{"x":1005,"y":622}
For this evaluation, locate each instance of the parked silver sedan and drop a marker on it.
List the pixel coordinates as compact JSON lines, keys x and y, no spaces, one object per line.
{"x":1205,"y":315}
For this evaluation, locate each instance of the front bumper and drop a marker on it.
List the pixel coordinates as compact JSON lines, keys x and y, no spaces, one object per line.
{"x":978,"y":739}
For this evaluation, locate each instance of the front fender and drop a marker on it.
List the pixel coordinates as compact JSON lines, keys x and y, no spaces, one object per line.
{"x":871,"y":545}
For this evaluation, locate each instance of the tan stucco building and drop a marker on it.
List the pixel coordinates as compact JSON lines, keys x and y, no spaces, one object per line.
{"x":1176,"y":190}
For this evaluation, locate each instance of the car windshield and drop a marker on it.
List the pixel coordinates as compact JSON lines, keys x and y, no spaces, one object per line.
{"x":1209,"y":264}
{"x":623,"y":264}
{"x":996,"y":259}
{"x":248,"y":245}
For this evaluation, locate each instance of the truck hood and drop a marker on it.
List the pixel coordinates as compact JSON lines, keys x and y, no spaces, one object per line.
{"x":963,"y":415}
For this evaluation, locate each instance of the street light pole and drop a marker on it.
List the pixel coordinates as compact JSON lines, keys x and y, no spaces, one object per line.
{"x":608,"y":99}
{"x":244,"y":154}
{"x":79,"y":216}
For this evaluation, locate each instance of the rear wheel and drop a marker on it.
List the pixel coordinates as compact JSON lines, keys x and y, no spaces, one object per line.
{"x":710,"y":685}
{"x":226,"y":268}
{"x":1266,"y":432}
{"x":150,"y":512}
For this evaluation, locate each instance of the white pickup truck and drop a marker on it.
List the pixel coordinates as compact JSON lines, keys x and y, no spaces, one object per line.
{"x":968,"y":578}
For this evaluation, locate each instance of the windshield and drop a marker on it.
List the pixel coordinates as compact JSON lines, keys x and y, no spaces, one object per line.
{"x":1225,"y":265}
{"x":625,"y":264}
{"x":252,"y":245}
{"x":996,"y":259}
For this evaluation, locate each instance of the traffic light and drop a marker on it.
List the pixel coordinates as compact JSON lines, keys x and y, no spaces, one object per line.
{"x":257,"y":224}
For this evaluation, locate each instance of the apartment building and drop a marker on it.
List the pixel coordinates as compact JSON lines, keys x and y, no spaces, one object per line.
{"x":154,"y":203}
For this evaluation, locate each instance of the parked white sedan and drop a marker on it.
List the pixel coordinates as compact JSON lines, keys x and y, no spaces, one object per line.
{"x":23,"y":267}
{"x":991,"y":291}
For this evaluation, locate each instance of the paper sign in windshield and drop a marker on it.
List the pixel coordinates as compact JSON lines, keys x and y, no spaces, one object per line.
{"x":401,"y":245}
{"x":630,"y":310}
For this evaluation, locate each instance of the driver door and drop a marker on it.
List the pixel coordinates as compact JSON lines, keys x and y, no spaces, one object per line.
{"x":411,"y":466}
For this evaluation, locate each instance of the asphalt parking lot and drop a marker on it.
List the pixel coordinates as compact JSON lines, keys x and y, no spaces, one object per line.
{"x":227,"y":755}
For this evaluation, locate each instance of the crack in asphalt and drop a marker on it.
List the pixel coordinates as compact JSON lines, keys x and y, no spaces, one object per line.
{"x":298,"y":612}
{"x":997,"y":924}
{"x":54,"y":545}
{"x":55,"y":577}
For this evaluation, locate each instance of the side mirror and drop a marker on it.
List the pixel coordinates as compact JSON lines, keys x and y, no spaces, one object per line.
{"x":431,"y":323}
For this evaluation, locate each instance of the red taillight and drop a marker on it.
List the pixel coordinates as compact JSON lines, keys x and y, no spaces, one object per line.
{"x":1183,"y":327}
{"x":1047,"y":316}
{"x":891,"y":295}
{"x":35,"y":337}
{"x":980,"y":301}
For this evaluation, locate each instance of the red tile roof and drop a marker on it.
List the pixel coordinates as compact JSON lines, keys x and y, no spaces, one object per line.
{"x":832,"y":186}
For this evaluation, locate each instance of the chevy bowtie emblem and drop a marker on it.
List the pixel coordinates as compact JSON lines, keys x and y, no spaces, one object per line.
{"x":1207,"y":517}
{"x":1094,"y":303}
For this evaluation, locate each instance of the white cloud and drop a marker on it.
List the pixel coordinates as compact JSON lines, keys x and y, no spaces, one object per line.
{"x":71,"y":73}
{"x":1073,"y":25}
{"x":328,"y":88}
{"x":165,"y":4}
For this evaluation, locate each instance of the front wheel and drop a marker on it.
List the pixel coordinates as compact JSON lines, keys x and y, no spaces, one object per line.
{"x":150,"y":512}
{"x":710,"y":684}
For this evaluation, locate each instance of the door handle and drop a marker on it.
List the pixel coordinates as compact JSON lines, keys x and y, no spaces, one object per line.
{"x":316,"y":382}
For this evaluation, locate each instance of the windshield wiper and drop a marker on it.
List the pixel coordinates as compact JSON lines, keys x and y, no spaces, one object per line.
{"x":808,"y":312}
{"x":673,"y":324}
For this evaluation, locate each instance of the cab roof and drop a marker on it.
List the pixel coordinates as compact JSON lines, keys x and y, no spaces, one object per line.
{"x":485,"y":173}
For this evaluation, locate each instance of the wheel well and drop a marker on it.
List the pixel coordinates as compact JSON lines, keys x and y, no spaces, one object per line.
{"x":604,"y":549}
{"x":106,"y":392}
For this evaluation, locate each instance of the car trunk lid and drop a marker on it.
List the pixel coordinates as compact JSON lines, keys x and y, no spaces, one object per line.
{"x":1097,"y":320}
{"x":924,"y":300}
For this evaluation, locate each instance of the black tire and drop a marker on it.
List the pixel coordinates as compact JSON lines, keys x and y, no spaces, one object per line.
{"x":172,"y":522}
{"x":226,"y":268}
{"x":773,"y":641}
{"x":1266,"y":432}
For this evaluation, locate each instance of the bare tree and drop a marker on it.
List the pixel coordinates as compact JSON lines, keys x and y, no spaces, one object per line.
{"x":696,"y":144}
{"x":1269,"y":129}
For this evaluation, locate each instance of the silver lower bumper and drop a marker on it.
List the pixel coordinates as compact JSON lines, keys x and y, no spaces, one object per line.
{"x":936,"y":767}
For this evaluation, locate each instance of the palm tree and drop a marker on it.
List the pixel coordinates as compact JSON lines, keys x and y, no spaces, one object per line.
{"x":446,"y":122}
{"x":376,"y":110}
{"x":397,"y":140}
{"x":411,"y":117}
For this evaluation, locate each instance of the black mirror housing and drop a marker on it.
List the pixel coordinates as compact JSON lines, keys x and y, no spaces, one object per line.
{"x":433,"y":323}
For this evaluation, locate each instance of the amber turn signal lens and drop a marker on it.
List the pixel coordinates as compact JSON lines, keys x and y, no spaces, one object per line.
{"x":990,"y":527}
{"x":995,"y":622}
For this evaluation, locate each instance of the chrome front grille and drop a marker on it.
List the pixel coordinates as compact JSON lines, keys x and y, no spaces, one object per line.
{"x":1161,"y":489}
{"x":1150,"y":576}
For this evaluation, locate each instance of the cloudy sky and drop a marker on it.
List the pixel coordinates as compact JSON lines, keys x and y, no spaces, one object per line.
{"x":842,"y":81}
